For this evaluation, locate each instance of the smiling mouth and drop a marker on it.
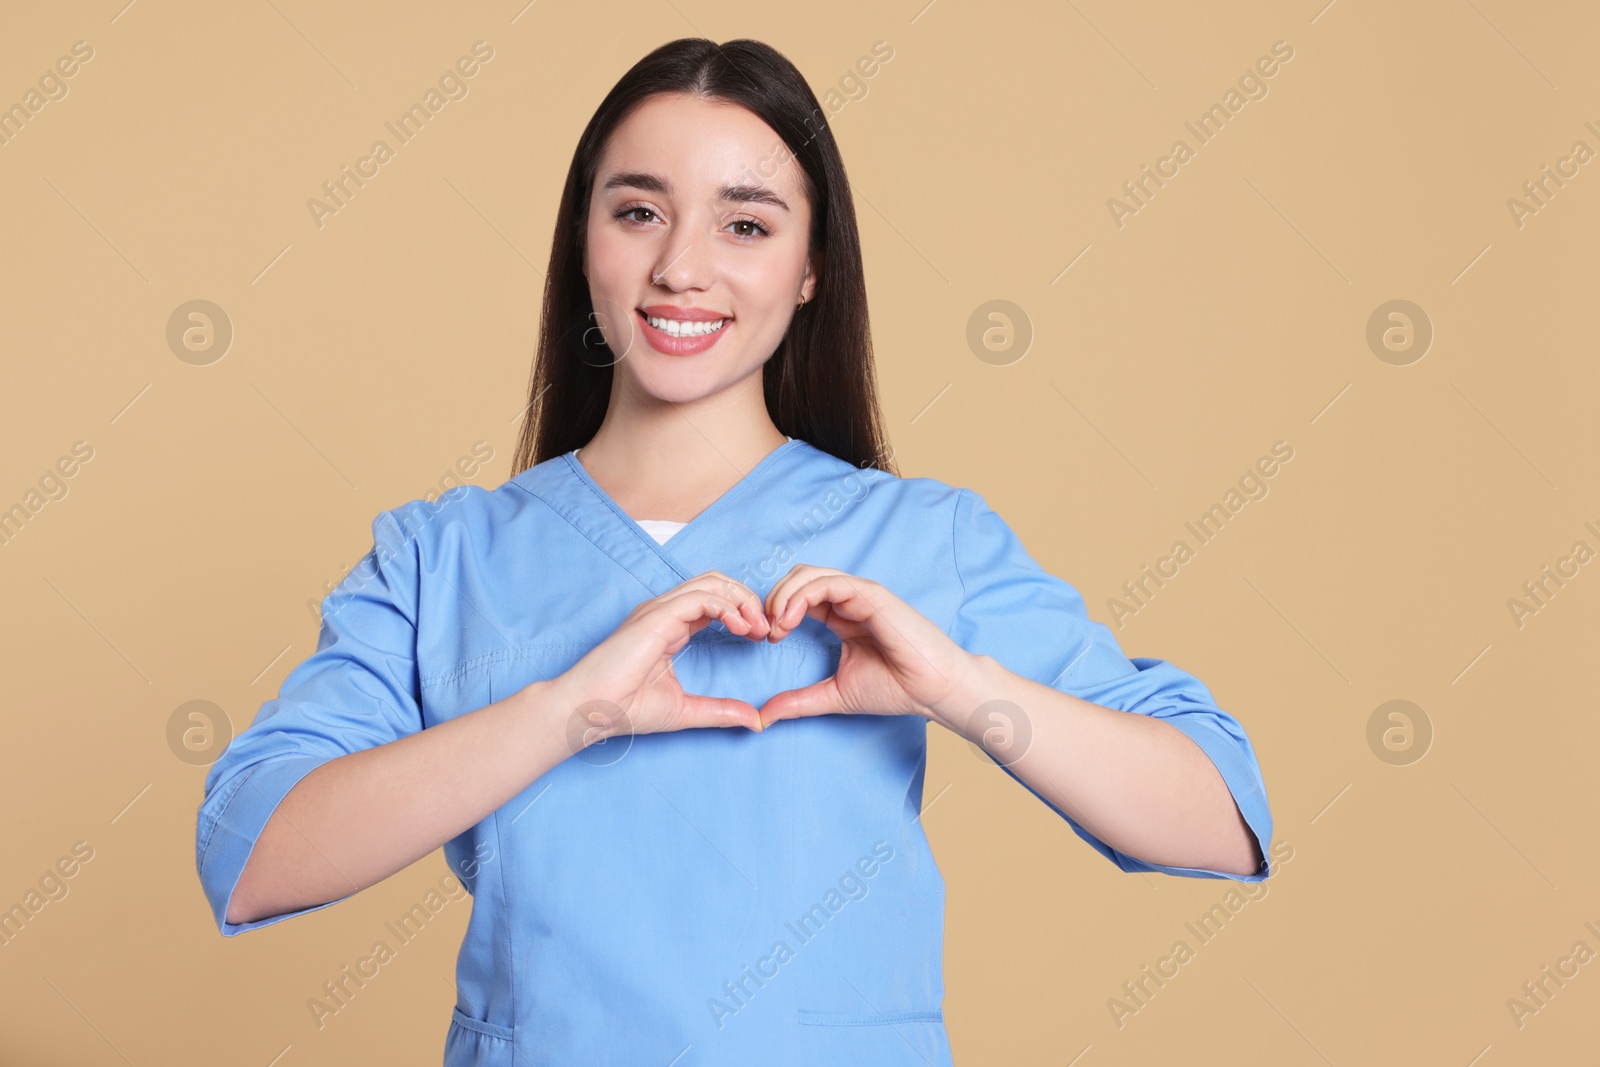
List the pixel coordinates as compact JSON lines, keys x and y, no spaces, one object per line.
{"x":684,"y":327}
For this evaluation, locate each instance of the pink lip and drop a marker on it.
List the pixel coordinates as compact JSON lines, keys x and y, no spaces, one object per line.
{"x":667,"y":344}
{"x":671,"y":311}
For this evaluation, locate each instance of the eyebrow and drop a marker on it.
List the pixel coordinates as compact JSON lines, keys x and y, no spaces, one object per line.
{"x":654,"y":183}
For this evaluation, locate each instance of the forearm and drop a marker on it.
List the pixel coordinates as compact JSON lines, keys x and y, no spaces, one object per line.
{"x":1137,"y":783}
{"x":357,"y":819}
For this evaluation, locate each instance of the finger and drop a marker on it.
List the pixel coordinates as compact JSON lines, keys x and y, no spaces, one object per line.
{"x":843,"y":595}
{"x":749,"y":604}
{"x":782,"y":603}
{"x":691,"y":611}
{"x":798,"y":575}
{"x":819,"y":698}
{"x":720,"y":711}
{"x":728,"y":611}
{"x":784,"y":615}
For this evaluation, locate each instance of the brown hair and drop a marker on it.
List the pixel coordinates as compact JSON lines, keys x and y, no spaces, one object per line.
{"x":819,"y":382}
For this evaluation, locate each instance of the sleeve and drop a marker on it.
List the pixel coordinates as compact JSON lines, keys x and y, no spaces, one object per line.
{"x":1008,"y":601}
{"x":359,"y":689}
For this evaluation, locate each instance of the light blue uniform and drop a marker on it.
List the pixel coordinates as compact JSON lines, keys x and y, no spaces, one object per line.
{"x":718,"y":895}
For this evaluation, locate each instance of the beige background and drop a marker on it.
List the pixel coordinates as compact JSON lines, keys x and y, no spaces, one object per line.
{"x":1229,"y":312}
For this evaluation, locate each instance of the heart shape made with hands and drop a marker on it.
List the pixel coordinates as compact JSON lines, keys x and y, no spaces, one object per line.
{"x":892,"y":659}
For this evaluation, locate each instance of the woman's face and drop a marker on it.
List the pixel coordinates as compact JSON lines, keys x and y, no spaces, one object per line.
{"x":698,"y":215}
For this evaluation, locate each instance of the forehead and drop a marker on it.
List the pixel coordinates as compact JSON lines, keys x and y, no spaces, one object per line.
{"x":700,"y":145}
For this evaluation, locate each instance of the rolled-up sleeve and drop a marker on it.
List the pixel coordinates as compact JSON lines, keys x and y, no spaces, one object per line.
{"x":1035,"y":625}
{"x":359,"y":689}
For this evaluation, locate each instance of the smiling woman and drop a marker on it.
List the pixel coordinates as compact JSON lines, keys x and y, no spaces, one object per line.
{"x":706,"y":754}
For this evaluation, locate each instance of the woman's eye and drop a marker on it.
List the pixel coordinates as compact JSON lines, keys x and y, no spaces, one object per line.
{"x":753,"y":223}
{"x":625,"y":212}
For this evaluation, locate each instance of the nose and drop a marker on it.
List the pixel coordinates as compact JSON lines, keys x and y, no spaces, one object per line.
{"x":687,"y":259}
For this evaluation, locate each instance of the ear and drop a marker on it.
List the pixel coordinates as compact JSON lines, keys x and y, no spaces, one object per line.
{"x":808,"y":285}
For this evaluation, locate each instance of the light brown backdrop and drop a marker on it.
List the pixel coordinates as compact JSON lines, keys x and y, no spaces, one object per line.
{"x":1168,"y":353}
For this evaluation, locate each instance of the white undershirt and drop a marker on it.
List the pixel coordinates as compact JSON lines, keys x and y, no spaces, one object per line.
{"x":660,"y":529}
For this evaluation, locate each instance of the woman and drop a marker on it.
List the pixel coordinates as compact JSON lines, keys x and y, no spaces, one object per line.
{"x":663,"y":695}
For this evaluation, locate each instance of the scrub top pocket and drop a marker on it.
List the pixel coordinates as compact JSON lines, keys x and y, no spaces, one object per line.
{"x":455,"y":693}
{"x":477,"y":1043}
{"x":912,"y":1038}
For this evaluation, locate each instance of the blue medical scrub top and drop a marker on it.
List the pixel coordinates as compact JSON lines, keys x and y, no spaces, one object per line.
{"x":707,"y":896}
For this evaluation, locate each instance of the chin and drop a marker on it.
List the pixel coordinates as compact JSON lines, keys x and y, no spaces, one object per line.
{"x":681,"y":380}
{"x":679,"y":385}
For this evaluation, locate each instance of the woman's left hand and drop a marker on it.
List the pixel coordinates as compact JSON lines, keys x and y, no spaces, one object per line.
{"x":892,"y":660}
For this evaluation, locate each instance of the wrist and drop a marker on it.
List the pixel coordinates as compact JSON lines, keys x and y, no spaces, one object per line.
{"x":548,"y":706}
{"x":975,"y":683}
{"x":581,"y":720}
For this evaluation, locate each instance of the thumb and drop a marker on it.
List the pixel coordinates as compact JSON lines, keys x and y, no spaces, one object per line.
{"x":720,"y":711}
{"x":819,"y":698}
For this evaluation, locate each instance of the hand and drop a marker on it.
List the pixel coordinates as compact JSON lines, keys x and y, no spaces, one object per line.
{"x":626,"y":683}
{"x":892,"y":660}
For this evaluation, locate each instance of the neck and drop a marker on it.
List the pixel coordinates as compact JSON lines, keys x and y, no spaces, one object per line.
{"x":663,"y":460}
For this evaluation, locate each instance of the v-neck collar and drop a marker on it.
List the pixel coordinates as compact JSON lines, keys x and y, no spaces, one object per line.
{"x":568,"y":488}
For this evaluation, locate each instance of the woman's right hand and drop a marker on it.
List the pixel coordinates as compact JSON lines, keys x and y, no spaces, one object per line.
{"x":626,"y":683}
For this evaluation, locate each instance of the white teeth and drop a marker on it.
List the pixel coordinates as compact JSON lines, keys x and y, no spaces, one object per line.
{"x":683,"y":328}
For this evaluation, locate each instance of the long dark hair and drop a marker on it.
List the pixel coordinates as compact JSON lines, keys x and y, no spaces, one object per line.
{"x":819,"y":382}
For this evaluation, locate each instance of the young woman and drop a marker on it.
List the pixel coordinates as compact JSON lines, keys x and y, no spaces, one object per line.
{"x":663,"y":696}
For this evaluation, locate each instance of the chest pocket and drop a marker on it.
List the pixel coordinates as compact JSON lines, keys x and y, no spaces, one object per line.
{"x":455,"y":693}
{"x":492,"y":676}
